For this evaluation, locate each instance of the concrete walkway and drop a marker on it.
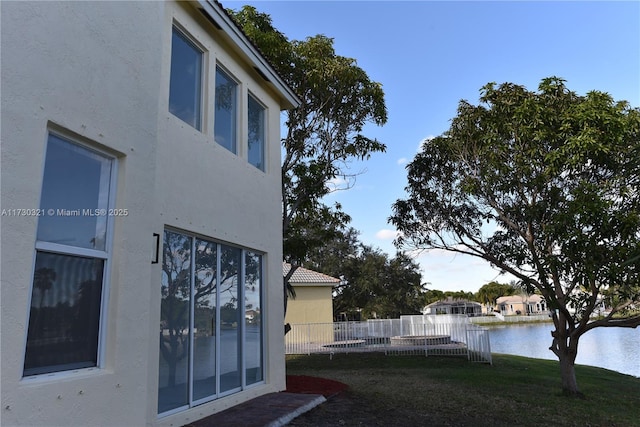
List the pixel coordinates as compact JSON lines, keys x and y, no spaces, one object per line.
{"x":272,"y":410}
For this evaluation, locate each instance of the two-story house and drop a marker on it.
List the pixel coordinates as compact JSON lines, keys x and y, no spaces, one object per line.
{"x":141,"y":214}
{"x":521,"y":305}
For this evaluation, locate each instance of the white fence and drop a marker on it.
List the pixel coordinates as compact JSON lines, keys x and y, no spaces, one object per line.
{"x":443,"y":335}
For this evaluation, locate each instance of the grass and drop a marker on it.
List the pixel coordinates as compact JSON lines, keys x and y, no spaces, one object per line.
{"x":513,"y":391}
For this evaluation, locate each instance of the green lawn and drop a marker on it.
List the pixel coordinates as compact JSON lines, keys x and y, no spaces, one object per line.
{"x":514,"y":391}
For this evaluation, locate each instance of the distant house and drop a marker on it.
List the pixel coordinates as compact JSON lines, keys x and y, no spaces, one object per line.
{"x":454,"y":306}
{"x":141,"y":268}
{"x":252,"y":316}
{"x":521,"y":305}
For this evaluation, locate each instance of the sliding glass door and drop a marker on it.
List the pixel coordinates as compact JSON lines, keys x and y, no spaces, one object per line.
{"x":211,"y":337}
{"x":230,"y":319}
{"x":204,"y":325}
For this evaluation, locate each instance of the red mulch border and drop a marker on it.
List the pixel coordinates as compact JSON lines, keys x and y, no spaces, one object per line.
{"x":314,"y":385}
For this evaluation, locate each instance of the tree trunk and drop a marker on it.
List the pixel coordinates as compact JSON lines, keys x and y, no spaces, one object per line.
{"x":173,"y":367}
{"x":285,"y":283}
{"x":568,"y":376}
{"x":565,"y":346}
{"x":288,"y":290}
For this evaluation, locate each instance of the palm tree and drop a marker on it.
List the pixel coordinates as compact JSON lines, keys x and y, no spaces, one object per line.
{"x":489,"y":293}
{"x":42,"y":280}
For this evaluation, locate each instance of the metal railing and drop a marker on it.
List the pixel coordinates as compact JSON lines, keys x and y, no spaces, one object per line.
{"x":442,"y":335}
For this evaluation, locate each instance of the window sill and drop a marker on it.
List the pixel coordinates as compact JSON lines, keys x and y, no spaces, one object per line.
{"x":64,"y":376}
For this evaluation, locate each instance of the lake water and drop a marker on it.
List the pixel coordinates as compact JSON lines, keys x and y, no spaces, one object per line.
{"x":617,"y":349}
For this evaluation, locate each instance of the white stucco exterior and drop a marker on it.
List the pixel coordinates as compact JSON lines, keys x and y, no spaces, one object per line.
{"x":98,"y":72}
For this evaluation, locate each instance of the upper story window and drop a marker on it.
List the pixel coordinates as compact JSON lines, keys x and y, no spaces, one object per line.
{"x":188,"y":89}
{"x":226,"y":101}
{"x":67,"y":298}
{"x":185,"y":87}
{"x":256,"y":133}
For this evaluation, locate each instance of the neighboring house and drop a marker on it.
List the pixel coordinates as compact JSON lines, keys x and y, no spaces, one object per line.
{"x":314,"y":296}
{"x":521,"y":305}
{"x":141,"y":270}
{"x":313,"y":304}
{"x":454,"y":306}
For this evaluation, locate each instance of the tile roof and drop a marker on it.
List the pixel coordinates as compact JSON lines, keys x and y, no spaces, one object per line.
{"x":518,"y":299}
{"x":305,"y":276}
{"x":453,"y":301}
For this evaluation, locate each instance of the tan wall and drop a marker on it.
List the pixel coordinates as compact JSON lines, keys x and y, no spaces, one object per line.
{"x":313,"y":304}
{"x":513,"y":307}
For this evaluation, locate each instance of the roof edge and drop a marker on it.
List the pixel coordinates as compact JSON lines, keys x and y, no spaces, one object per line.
{"x":305,"y":277}
{"x":223,"y":21}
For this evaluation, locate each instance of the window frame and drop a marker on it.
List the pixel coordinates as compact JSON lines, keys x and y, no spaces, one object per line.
{"x":192,"y":402}
{"x":201,"y":118}
{"x":237,"y":107}
{"x":212,"y":64}
{"x":254,"y":98}
{"x":77,"y":251}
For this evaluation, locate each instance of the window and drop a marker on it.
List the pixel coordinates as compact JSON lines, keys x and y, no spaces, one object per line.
{"x":185,"y":86}
{"x":256,"y":133}
{"x":71,"y":260}
{"x":211,"y":343}
{"x":225,"y":110}
{"x":186,"y":89}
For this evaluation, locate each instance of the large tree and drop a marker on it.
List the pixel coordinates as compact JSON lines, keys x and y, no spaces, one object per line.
{"x":371,"y":283}
{"x":324,"y":134}
{"x":543,"y":185}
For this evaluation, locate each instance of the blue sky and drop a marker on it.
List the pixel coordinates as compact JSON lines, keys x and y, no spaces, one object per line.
{"x":429,"y":55}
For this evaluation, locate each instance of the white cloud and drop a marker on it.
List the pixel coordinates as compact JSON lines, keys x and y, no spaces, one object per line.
{"x":402,"y":161}
{"x":386,"y":234}
{"x":422,"y":141}
{"x":338,"y":183}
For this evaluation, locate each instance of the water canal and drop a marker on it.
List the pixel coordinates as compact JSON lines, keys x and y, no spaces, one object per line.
{"x":617,"y":349}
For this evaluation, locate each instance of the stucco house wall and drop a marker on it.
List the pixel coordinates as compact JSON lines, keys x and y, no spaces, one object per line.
{"x":97,"y":74}
{"x":313,"y":304}
{"x":521,"y":305}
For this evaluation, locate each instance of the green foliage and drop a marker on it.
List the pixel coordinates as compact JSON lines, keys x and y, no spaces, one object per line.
{"x":433,"y":295}
{"x":372,"y":284}
{"x":489,"y":293}
{"x":543,"y":185}
{"x":323,"y":134}
{"x":271,"y":42}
